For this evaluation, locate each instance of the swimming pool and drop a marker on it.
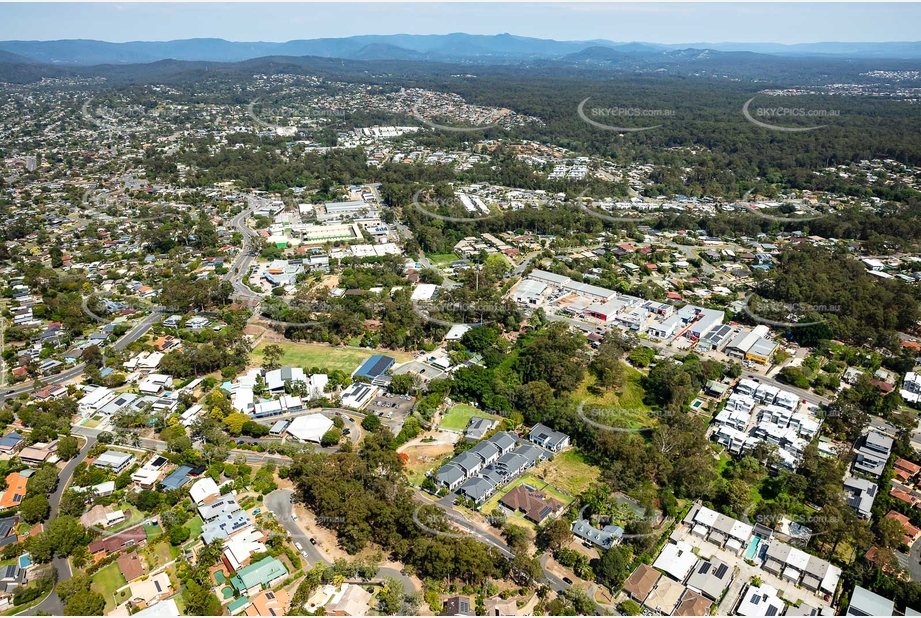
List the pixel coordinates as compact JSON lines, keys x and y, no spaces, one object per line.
{"x":752,"y":549}
{"x":25,"y":560}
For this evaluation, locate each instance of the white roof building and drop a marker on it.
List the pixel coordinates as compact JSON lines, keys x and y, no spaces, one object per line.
{"x":676,"y":560}
{"x":424,"y":291}
{"x":310,"y":428}
{"x":203,"y":489}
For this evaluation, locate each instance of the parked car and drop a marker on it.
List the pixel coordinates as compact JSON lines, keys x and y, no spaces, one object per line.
{"x":299,"y":546}
{"x":567,"y":580}
{"x":313,"y":541}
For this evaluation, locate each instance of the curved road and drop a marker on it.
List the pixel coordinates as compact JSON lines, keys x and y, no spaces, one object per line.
{"x":52,"y":604}
{"x":279,"y":502}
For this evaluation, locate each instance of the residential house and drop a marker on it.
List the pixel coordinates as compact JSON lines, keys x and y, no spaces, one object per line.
{"x":268,"y":603}
{"x":795,"y":565}
{"x":204,"y":490}
{"x":551,"y":440}
{"x":117,"y":542}
{"x":132,"y":565}
{"x":102,"y":517}
{"x":641,"y":582}
{"x":760,"y":601}
{"x":535,"y":505}
{"x":606,"y":538}
{"x":264,"y":574}
{"x":150,"y":591}
{"x":866,"y":603}
{"x":114,"y":461}
{"x":11,"y":442}
{"x":710,"y":578}
{"x":15,"y":491}
{"x":349,"y":600}
{"x":458,"y":606}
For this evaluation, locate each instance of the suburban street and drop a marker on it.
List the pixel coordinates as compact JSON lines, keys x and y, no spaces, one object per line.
{"x":52,"y":604}
{"x":279,"y":503}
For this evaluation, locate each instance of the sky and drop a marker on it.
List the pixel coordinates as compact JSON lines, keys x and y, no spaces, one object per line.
{"x":646,"y":22}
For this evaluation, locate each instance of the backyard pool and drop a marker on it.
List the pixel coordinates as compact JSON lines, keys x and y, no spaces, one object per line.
{"x":25,"y":560}
{"x":752,"y":549}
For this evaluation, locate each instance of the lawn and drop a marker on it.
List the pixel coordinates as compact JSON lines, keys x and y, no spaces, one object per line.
{"x":158,"y":555}
{"x":152,"y":531}
{"x":531,"y":481}
{"x":325,"y":357}
{"x":195,"y":525}
{"x":106,"y":581}
{"x":569,"y":471}
{"x":441,"y":258}
{"x":458,"y":417}
{"x":134,"y":516}
{"x":618,"y":407}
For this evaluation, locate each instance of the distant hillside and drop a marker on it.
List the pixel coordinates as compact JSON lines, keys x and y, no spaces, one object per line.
{"x":498,"y":48}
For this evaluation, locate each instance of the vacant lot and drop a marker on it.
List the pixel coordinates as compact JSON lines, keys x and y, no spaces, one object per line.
{"x":458,"y":417}
{"x":106,"y":581}
{"x":325,"y":357}
{"x":569,"y":471}
{"x":423,"y":458}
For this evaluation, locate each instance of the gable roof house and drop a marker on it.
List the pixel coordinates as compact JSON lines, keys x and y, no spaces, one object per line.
{"x":551,"y":440}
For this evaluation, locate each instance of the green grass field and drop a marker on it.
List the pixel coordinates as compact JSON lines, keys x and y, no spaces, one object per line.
{"x":325,"y":357}
{"x":106,"y":581}
{"x":569,"y":471}
{"x":618,"y":407}
{"x":134,"y":516}
{"x":158,"y":555}
{"x":153,"y":531}
{"x":441,"y":258}
{"x":195,"y":525}
{"x":458,"y":417}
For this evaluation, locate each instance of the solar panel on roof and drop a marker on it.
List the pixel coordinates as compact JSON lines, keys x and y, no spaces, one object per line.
{"x":721,"y":570}
{"x":704,"y":568}
{"x":157,"y":584}
{"x":771,"y":611}
{"x":756,"y":598}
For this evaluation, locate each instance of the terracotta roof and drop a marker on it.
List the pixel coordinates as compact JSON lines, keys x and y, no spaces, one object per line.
{"x":131,"y":566}
{"x":535,"y":505}
{"x":641,"y":582}
{"x":693,"y":604}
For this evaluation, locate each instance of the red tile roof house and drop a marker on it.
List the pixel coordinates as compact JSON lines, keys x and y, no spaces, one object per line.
{"x":905,"y":470}
{"x":912,"y":533}
{"x":904,"y":496}
{"x":117,"y":542}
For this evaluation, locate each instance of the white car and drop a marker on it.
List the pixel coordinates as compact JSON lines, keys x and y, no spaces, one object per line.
{"x":294,"y":517}
{"x":299,"y":546}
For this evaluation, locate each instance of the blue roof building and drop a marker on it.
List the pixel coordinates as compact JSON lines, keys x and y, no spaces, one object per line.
{"x":375,"y":366}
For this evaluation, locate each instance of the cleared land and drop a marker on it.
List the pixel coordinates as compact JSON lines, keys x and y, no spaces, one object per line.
{"x":325,"y":357}
{"x":621,"y":407}
{"x":569,"y":471}
{"x":423,"y":458}
{"x":106,"y":581}
{"x":458,"y":417}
